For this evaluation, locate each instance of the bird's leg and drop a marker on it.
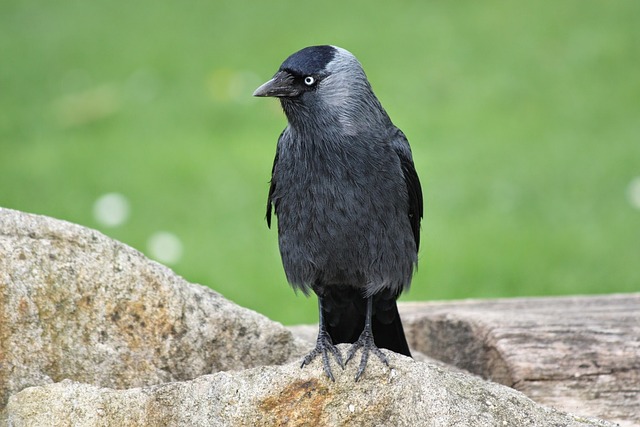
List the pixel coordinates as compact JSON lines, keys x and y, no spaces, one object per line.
{"x":366,"y":342}
{"x":324,"y":346}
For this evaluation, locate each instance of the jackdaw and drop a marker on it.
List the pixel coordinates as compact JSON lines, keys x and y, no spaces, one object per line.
{"x":348,"y":202}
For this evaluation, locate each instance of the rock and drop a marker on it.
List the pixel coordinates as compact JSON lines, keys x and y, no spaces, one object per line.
{"x":76,"y":304}
{"x":410,"y":394}
{"x":94,"y":334}
{"x":308,"y":333}
{"x":578,"y":354}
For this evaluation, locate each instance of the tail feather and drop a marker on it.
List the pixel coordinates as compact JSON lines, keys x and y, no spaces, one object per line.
{"x":388,"y":331}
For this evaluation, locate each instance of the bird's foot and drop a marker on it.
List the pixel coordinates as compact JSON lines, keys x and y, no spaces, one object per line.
{"x":324,"y":346}
{"x":368,"y":345}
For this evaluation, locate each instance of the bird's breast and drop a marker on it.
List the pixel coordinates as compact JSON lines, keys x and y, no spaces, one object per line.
{"x":344,"y":190}
{"x":342,"y":218}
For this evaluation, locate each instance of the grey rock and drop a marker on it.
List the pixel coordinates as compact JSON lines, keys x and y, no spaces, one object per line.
{"x":76,"y":304}
{"x":308,"y":333}
{"x":409,"y":394}
{"x":92,"y":333}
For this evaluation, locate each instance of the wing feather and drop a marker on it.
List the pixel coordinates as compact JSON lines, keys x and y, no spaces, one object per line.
{"x":401,"y":146}
{"x":272,"y":185}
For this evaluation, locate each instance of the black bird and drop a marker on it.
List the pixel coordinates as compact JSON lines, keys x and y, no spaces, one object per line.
{"x":348,"y":202}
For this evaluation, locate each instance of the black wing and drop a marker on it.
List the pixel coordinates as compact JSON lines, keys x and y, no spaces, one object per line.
{"x":272,"y":184}
{"x":402,"y":149}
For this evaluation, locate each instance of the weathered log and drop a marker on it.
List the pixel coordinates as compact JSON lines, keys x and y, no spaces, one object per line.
{"x":578,"y":354}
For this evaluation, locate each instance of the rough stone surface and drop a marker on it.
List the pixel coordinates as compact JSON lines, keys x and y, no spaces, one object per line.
{"x":578,"y":354}
{"x":409,"y":394}
{"x":76,"y":304}
{"x":94,"y":334}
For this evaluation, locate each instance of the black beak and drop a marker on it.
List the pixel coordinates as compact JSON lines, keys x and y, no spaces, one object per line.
{"x":280,"y":86}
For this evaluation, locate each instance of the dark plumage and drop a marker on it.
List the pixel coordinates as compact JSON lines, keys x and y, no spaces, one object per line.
{"x":348,"y":202}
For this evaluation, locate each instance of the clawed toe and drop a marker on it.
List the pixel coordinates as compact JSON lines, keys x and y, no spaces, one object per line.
{"x":367,"y":344}
{"x":324,"y":347}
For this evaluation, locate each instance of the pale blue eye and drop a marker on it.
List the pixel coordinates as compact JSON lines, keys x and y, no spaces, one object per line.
{"x":309,"y":80}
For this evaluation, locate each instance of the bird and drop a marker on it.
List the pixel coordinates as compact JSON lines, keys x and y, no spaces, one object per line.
{"x":348,"y":203}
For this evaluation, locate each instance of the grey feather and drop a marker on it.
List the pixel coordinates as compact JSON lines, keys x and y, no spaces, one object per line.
{"x":347,"y":198}
{"x":341,"y":186}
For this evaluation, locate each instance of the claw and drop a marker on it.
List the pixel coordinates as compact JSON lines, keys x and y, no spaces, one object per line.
{"x":324,"y":346}
{"x":368,"y":345}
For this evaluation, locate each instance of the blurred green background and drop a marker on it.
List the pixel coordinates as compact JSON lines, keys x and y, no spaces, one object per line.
{"x":524,"y":119}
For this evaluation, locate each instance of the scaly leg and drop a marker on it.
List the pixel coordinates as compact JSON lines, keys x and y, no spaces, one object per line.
{"x":324,"y":346}
{"x":366,"y":342}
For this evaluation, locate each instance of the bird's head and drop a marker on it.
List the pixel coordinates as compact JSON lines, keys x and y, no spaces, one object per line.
{"x":324,"y":84}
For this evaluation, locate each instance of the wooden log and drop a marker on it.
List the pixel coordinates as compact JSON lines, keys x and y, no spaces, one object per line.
{"x":578,"y":354}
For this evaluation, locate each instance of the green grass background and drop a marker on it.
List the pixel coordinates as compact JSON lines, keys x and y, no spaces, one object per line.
{"x":524,"y":119}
